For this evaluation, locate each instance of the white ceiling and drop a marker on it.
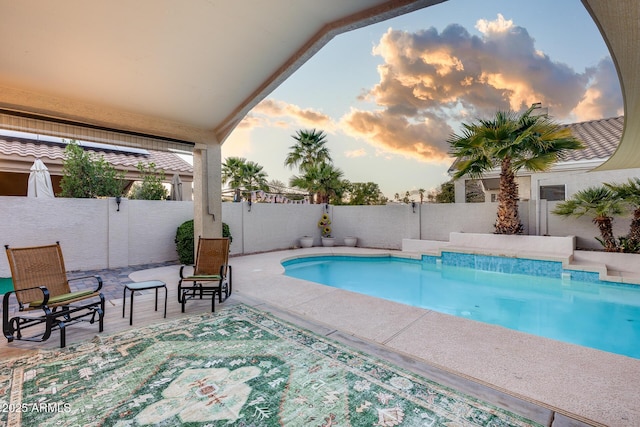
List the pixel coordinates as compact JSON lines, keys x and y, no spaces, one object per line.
{"x":175,"y":68}
{"x":192,"y":69}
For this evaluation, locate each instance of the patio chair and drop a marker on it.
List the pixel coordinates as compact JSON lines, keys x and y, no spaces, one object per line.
{"x":212,"y":273}
{"x":44,"y":297}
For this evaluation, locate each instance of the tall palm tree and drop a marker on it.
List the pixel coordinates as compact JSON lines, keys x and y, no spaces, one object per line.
{"x":599,"y":202}
{"x":512,"y":142}
{"x":309,"y":150}
{"x":629,"y":192}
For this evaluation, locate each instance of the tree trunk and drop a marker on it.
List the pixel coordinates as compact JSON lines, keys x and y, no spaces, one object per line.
{"x":508,"y":221}
{"x":634,"y":229}
{"x":605,"y":225}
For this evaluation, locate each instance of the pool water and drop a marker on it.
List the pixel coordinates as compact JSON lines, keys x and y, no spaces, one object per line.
{"x":588,"y":312}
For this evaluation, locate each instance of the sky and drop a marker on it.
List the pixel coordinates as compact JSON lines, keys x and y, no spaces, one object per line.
{"x":389,"y":95}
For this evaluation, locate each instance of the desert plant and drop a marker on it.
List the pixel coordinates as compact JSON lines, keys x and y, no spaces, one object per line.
{"x":629,"y":193}
{"x":602,"y":204}
{"x":511,"y":142}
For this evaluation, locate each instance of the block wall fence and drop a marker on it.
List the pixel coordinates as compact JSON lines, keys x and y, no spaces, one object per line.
{"x":94,"y":234}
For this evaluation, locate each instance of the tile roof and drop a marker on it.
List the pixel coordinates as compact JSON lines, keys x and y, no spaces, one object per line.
{"x":20,"y":147}
{"x":600,"y":137}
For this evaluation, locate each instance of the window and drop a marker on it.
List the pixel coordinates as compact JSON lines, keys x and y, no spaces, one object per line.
{"x":552,"y":193}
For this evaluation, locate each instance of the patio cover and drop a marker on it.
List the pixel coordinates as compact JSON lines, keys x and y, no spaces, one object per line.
{"x":186,"y":73}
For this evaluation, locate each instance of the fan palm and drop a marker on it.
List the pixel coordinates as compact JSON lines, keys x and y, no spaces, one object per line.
{"x":240,"y":174}
{"x":323,"y":181}
{"x":254,"y":177}
{"x":511,"y":142}
{"x":309,"y":150}
{"x":629,"y":192}
{"x":599,"y":202}
{"x":232,"y":172}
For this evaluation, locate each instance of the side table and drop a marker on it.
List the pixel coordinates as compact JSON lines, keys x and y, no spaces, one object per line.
{"x":140,"y":286}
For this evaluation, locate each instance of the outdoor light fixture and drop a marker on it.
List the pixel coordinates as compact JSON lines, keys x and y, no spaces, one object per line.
{"x":413,"y":206}
{"x":326,"y":207}
{"x":118,"y":201}
{"x":249,"y":204}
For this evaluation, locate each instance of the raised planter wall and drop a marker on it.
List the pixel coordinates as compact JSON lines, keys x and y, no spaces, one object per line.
{"x":552,"y":246}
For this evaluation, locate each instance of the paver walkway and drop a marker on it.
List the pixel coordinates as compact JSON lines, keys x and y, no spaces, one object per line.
{"x":113,"y":280}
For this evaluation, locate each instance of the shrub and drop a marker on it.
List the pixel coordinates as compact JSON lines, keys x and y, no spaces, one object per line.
{"x":87,"y":176}
{"x":150,"y":187}
{"x":185,"y":242}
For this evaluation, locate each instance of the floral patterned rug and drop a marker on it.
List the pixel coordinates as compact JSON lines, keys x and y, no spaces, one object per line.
{"x":237,"y":367}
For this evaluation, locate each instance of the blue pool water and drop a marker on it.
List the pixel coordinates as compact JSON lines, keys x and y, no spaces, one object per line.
{"x":570,"y":306}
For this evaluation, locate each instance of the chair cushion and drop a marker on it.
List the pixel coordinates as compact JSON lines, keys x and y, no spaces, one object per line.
{"x":62,"y":298}
{"x":203,"y":277}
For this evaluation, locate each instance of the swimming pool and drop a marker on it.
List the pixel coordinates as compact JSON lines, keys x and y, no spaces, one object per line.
{"x":566,"y":305}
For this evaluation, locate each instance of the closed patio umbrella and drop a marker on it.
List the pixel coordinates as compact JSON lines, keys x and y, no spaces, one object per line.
{"x":39,"y":181}
{"x":176,"y":187}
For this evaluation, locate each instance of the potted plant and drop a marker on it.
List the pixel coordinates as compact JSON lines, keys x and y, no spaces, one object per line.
{"x":350,"y":241}
{"x":325,"y":228}
{"x":306,"y":242}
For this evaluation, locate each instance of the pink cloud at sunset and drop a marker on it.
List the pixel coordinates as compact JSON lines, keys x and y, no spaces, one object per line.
{"x":429,"y":81}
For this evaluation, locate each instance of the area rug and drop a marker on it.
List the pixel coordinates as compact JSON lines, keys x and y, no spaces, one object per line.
{"x":237,"y":367}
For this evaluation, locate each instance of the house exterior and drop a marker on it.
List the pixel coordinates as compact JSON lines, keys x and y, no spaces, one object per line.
{"x":600,"y":137}
{"x":18,"y":151}
{"x":573,"y":172}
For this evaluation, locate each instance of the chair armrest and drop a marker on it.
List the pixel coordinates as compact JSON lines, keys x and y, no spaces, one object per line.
{"x":182,"y":276}
{"x":98,"y":279}
{"x":7,"y":295}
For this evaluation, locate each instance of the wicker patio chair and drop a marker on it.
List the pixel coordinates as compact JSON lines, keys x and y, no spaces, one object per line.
{"x":44,"y":297}
{"x":212,"y":273}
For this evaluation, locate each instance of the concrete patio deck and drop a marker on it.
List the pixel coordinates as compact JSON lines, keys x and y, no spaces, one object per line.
{"x":553,"y":383}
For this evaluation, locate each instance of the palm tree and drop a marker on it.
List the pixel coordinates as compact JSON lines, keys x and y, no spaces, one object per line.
{"x":323,"y":181}
{"x":421,"y":192}
{"x":232,"y":174}
{"x":242,"y":174}
{"x":629,"y":192}
{"x":330,"y":182}
{"x":309,"y":150}
{"x":511,"y":142}
{"x":254,"y":177}
{"x":600,"y":202}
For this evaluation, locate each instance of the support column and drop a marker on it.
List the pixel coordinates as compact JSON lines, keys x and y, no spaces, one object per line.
{"x":207,"y":187}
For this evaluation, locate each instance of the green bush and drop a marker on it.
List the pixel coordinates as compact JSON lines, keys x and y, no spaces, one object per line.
{"x":185,"y":242}
{"x":85,"y":175}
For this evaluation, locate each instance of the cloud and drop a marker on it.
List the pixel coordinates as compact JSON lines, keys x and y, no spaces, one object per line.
{"x":360,"y":152}
{"x":430,"y":80}
{"x":272,"y":109}
{"x":602,"y":97}
{"x":395,"y":133}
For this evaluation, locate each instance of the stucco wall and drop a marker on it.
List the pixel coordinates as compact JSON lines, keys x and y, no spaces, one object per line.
{"x":94,"y":235}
